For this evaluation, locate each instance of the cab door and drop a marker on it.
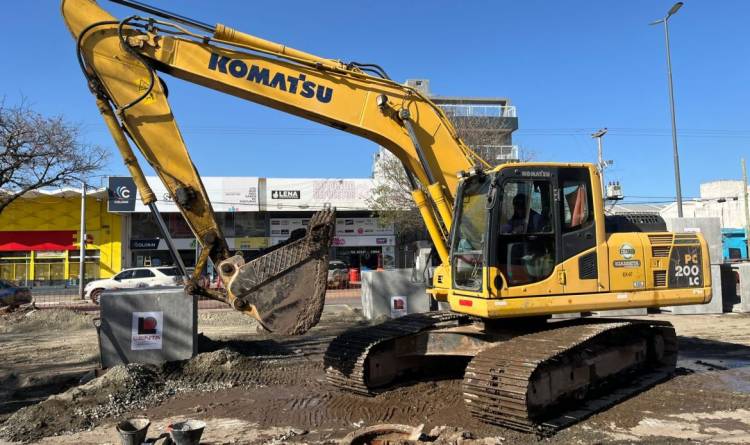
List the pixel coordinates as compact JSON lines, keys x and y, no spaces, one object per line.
{"x":578,"y":253}
{"x":524,"y":236}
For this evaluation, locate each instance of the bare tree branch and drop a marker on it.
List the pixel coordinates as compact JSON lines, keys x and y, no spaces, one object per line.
{"x":38,"y":151}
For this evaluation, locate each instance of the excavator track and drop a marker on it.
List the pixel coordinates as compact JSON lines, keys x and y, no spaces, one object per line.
{"x":346,"y":360}
{"x":548,"y":380}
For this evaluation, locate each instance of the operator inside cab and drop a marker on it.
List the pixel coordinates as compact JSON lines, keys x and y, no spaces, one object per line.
{"x":524,"y":219}
{"x":527,"y":246}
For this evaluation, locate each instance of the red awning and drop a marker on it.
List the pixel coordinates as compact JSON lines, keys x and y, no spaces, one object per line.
{"x":38,"y":240}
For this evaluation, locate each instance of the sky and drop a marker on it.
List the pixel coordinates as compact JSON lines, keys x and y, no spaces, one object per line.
{"x":570,"y":68}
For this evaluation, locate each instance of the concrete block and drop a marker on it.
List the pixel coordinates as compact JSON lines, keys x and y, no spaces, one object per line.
{"x":621,"y":312}
{"x":147,"y":326}
{"x":743,"y":270}
{"x":379,"y":288}
{"x":566,"y":315}
{"x":710,"y":228}
{"x":716,"y":305}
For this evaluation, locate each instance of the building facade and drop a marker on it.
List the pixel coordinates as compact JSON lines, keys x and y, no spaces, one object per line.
{"x":39,"y":238}
{"x":486,"y":124}
{"x":255,"y":213}
{"x":718,"y":199}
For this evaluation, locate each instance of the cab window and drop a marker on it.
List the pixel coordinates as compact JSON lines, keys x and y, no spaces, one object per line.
{"x":526,"y":241}
{"x":576,"y":210}
{"x":470,"y":234}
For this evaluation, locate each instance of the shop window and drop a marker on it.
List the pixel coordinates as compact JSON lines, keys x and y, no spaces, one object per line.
{"x":144,"y":226}
{"x":91,"y":266}
{"x":250,"y":224}
{"x":49,"y":270}
{"x":178,"y":227}
{"x":15,"y":265}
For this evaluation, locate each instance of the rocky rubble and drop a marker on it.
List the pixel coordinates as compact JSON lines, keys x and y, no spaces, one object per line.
{"x":122,"y":389}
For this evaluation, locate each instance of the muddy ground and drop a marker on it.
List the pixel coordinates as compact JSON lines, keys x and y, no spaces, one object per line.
{"x":253,"y":389}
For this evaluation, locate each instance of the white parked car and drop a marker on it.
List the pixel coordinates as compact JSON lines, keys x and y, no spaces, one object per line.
{"x":134,"y":278}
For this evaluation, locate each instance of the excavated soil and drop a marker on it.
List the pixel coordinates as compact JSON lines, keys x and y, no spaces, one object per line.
{"x":250,"y":388}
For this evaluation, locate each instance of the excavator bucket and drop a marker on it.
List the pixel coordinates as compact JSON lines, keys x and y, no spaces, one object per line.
{"x":285,"y":287}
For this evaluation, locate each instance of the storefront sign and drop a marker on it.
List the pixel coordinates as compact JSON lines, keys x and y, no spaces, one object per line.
{"x":50,"y":253}
{"x":285,"y":194}
{"x":146,"y":330}
{"x":144,"y":244}
{"x":364,"y":241}
{"x":121,"y":194}
{"x":250,"y":242}
{"x":315,"y":194}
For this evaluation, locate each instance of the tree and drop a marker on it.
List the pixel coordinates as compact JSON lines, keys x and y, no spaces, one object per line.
{"x":38,"y":151}
{"x":391,"y":198}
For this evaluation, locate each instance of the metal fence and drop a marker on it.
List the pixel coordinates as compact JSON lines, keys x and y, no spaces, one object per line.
{"x":48,"y":297}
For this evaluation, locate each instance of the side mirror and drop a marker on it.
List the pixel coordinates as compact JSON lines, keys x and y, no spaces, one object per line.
{"x":116,"y":278}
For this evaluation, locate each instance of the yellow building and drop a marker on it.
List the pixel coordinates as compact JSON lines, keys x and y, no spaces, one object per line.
{"x":39,"y":238}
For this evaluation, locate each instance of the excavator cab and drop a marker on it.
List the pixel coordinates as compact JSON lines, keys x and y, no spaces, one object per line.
{"x":521,"y":223}
{"x":532,"y":239}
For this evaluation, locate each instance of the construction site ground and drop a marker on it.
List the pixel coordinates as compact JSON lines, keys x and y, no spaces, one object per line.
{"x":255,"y":389}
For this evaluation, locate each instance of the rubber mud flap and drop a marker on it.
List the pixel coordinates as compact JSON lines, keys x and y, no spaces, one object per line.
{"x":285,"y":288}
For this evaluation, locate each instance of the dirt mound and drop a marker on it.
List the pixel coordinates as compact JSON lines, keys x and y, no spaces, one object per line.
{"x":136,"y":387}
{"x":47,"y":319}
{"x":121,"y":389}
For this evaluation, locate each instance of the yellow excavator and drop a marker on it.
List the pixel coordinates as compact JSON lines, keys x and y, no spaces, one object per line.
{"x":517,"y":243}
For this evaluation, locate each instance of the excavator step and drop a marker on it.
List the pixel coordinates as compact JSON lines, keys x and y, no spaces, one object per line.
{"x":545,"y":381}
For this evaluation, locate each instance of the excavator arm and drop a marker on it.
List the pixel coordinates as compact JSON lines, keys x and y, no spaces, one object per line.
{"x":121,"y":58}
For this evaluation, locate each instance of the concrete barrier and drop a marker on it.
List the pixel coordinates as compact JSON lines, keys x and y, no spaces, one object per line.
{"x":719,"y":276}
{"x":380,"y":287}
{"x":147,"y":326}
{"x":743,"y":270}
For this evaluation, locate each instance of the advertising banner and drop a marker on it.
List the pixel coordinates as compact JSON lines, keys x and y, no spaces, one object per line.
{"x":315,"y":194}
{"x":226,"y":194}
{"x":121,"y":194}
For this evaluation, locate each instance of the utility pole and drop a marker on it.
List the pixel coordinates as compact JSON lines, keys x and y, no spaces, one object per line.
{"x":744,"y":193}
{"x":678,"y":186}
{"x":600,"y":163}
{"x":82,"y":243}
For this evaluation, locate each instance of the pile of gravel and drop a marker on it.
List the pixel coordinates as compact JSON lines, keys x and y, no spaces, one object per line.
{"x":123,"y":389}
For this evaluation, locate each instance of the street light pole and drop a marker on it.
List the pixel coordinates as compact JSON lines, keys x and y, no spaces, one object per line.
{"x":82,"y":243}
{"x":678,"y":186}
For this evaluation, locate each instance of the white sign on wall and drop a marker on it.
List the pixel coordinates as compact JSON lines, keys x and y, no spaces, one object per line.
{"x":398,"y":307}
{"x":227,"y":194}
{"x":314,"y":194}
{"x":147,"y":330}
